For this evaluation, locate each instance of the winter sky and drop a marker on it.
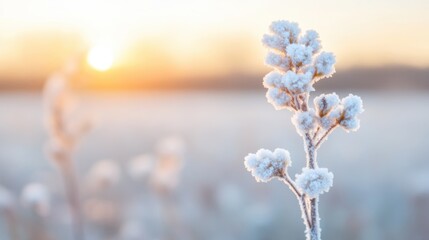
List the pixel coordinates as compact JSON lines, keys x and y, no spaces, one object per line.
{"x":212,"y":36}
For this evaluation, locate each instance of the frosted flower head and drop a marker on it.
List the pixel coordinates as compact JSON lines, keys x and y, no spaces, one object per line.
{"x":283,"y":34}
{"x":277,"y":61}
{"x":36,"y":196}
{"x":264,"y":165}
{"x":314,"y":182}
{"x":324,"y":64}
{"x":330,"y":119}
{"x":104,"y":174}
{"x":285,"y":29}
{"x":311,"y":39}
{"x":278,"y":98}
{"x":300,"y":55}
{"x":352,"y":106}
{"x":273,"y":80}
{"x":275,"y":42}
{"x":304,"y":121}
{"x":325,"y":103}
{"x":141,"y":166}
{"x":6,"y":199}
{"x":297,"y":83}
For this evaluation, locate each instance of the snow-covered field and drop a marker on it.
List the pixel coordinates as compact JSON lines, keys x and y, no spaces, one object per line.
{"x":381,"y":184}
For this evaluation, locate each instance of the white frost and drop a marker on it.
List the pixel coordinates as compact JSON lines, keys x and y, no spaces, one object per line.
{"x":285,"y":29}
{"x":273,"y":79}
{"x":299,"y":54}
{"x":274,"y":42}
{"x":311,"y":39}
{"x":324,"y":64}
{"x":278,"y":98}
{"x":314,"y":182}
{"x":325,"y":103}
{"x":352,"y":106}
{"x":277,"y":61}
{"x":304,"y":121}
{"x":264,"y":165}
{"x":297,"y":83}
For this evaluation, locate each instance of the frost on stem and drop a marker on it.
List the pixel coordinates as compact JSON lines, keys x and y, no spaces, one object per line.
{"x":314,"y":182}
{"x":265,"y":165}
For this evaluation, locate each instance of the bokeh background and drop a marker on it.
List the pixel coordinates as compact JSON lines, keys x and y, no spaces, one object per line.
{"x":193,"y":70}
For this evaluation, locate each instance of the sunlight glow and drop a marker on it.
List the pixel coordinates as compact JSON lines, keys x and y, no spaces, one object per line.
{"x":100,"y":57}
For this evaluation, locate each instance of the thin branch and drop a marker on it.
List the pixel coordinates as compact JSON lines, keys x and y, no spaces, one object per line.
{"x":300,"y":196}
{"x":316,"y":132}
{"x":305,"y":210}
{"x":325,"y":135}
{"x":286,"y":179}
{"x":297,"y":102}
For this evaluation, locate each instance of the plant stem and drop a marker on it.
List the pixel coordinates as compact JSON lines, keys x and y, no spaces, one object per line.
{"x":325,"y":135}
{"x":313,"y":233}
{"x":73,"y":199}
{"x":301,"y":199}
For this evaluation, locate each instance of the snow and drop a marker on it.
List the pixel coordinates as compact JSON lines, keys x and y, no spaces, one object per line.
{"x":314,"y":182}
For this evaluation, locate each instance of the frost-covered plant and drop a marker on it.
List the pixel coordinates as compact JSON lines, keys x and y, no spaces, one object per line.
{"x":298,"y":64}
{"x":64,"y":131}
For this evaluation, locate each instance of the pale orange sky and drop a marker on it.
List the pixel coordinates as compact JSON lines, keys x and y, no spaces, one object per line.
{"x":213,"y":36}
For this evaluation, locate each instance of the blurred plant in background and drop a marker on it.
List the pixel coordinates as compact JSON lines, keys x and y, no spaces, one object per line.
{"x":297,"y":66}
{"x":65,"y":129}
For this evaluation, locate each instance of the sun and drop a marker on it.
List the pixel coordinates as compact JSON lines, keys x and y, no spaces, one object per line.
{"x":100,"y":57}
